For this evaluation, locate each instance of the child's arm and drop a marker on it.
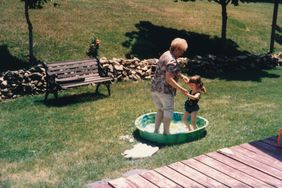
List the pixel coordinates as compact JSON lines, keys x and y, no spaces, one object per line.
{"x":194,"y":97}
{"x":184,"y":78}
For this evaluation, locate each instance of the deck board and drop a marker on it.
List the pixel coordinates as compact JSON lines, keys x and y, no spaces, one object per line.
{"x":211,"y":172}
{"x":177,"y":177}
{"x":246,"y":169}
{"x":158,"y":179}
{"x":122,"y":182}
{"x":232,"y":172}
{"x":140,"y":181}
{"x":268,"y":149}
{"x":254,"y":164}
{"x":261,"y":158}
{"x":196,"y":175}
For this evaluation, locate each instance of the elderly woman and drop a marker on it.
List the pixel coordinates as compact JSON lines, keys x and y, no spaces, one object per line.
{"x":164,"y":83}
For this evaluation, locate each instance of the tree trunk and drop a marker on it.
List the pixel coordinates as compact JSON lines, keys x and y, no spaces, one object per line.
{"x":30,"y":34}
{"x":273,"y":27}
{"x":224,"y":20}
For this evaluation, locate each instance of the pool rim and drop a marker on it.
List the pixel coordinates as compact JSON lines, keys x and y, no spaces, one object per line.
{"x":149,"y":113}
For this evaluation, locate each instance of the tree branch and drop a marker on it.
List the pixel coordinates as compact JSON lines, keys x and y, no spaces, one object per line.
{"x":228,"y":1}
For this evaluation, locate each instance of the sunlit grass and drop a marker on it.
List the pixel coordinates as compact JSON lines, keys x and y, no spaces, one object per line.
{"x":75,"y":140}
{"x":64,"y":33}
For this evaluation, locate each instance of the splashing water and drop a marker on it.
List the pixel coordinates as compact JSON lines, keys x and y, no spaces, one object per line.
{"x":175,"y":127}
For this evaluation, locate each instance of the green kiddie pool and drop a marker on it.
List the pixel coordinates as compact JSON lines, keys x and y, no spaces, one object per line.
{"x":178,"y":131}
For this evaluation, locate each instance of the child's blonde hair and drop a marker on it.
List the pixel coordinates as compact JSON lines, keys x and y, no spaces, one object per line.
{"x":198,"y":80}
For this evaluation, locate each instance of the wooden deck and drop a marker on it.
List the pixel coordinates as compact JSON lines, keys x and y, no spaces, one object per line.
{"x":256,"y":164}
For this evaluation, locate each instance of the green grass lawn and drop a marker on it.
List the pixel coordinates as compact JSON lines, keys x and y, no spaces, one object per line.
{"x":75,"y":140}
{"x":132,"y":27}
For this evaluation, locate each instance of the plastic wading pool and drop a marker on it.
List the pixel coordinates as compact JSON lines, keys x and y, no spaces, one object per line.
{"x":178,"y":131}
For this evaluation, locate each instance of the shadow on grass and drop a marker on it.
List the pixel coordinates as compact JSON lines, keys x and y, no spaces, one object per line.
{"x":150,"y":41}
{"x":62,"y":101}
{"x":244,"y":75}
{"x":10,"y":62}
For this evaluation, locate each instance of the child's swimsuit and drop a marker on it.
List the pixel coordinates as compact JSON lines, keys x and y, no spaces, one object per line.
{"x":192,"y":105}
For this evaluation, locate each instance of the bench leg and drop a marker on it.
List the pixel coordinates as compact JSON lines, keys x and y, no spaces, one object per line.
{"x":97,"y":88}
{"x":56,"y":94}
{"x":46,"y":96}
{"x":108,"y":85}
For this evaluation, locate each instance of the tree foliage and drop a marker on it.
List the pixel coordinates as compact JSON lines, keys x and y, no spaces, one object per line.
{"x":35,"y":4}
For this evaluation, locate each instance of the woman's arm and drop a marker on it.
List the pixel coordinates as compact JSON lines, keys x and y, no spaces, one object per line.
{"x":170,"y":80}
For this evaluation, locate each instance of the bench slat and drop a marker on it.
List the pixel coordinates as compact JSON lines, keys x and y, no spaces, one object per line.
{"x":71,"y":66}
{"x":79,"y":73}
{"x":86,"y":82}
{"x":76,"y":78}
{"x":71,"y":62}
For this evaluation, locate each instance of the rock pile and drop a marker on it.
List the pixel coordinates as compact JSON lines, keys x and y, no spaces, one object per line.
{"x":22,"y":82}
{"x":32,"y":81}
{"x":128,"y":69}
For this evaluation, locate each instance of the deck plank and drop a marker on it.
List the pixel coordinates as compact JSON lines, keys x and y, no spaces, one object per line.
{"x":158,"y":179}
{"x":196,"y":175}
{"x":177,"y":177}
{"x":140,"y":181}
{"x":219,"y":176}
{"x":259,"y":151}
{"x":261,"y":158}
{"x":255,"y":164}
{"x":270,"y":141}
{"x":268,"y":149}
{"x":246,"y":169}
{"x":102,"y":185}
{"x":232,"y":172}
{"x":122,"y":183}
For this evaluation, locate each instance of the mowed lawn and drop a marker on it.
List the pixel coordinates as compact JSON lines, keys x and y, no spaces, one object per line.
{"x":140,"y":28}
{"x":75,"y":140}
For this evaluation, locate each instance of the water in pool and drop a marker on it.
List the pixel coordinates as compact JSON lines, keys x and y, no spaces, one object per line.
{"x":175,"y":127}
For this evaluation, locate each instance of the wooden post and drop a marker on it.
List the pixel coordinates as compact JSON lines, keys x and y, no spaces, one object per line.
{"x":273,"y":27}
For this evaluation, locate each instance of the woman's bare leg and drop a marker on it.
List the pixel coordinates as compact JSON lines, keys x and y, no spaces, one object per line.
{"x":166,"y":125}
{"x":158,"y":120}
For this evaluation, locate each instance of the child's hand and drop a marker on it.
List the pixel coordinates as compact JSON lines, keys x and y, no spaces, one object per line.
{"x":185,"y":79}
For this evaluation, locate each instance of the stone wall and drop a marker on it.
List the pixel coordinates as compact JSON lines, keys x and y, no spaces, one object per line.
{"x":32,"y":81}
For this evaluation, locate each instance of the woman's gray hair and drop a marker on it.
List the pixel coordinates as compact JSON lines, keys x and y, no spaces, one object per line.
{"x":178,"y":43}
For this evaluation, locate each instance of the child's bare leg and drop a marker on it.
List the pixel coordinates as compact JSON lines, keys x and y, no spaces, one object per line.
{"x":193,"y":120}
{"x":158,"y":120}
{"x":185,"y":119}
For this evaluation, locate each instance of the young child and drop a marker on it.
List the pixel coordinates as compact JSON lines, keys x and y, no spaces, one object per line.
{"x":191,"y":104}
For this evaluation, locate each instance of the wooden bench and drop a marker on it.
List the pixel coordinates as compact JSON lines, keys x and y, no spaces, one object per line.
{"x":65,"y":75}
